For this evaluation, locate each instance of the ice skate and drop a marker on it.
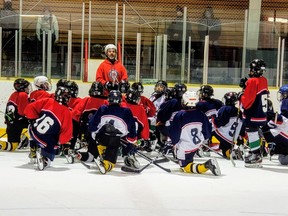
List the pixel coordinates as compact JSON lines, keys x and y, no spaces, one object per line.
{"x":131,"y":161}
{"x":100,"y":165}
{"x":253,"y":159}
{"x":237,"y":154}
{"x":213,"y":166}
{"x":42,"y":162}
{"x":71,"y":156}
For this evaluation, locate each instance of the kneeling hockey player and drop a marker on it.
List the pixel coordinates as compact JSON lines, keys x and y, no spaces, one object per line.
{"x":50,"y":125}
{"x":227,"y":125}
{"x":189,"y":129}
{"x":14,"y":116}
{"x":110,"y":124}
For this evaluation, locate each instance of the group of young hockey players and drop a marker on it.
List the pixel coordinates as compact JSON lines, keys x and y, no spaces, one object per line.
{"x":117,"y":120}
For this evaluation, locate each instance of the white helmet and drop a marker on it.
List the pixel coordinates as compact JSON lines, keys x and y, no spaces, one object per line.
{"x":42,"y":82}
{"x":189,"y":99}
{"x":110,"y":46}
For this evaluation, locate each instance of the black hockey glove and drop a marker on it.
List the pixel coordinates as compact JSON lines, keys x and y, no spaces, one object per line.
{"x":242,"y":82}
{"x":108,"y":85}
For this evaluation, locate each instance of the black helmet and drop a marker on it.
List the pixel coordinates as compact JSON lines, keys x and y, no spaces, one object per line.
{"x":133,"y":96}
{"x":73,"y":88}
{"x":230,"y":98}
{"x":123,"y":86}
{"x":20,"y":85}
{"x":61,"y":82}
{"x":160,"y":86}
{"x":205,"y":92}
{"x":257,"y":68}
{"x":96,"y":89}
{"x":137,"y":86}
{"x":62,"y":95}
{"x":114,"y":97}
{"x":180,"y":89}
{"x":170,"y":93}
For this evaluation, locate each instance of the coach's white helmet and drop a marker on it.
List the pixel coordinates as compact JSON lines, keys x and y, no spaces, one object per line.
{"x":110,"y":46}
{"x":42,"y":82}
{"x":189,"y":99}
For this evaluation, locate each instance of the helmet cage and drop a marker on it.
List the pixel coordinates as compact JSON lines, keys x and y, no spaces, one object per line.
{"x":96,"y":89}
{"x":160,"y":86}
{"x":257,"y":68}
{"x":22,"y":85}
{"x":124,"y":86}
{"x":137,"y":86}
{"x":133,"y":96}
{"x":62,"y":95}
{"x":73,"y":88}
{"x":114,"y":97}
{"x":170,"y":93}
{"x":180,"y":89}
{"x":205,"y":91}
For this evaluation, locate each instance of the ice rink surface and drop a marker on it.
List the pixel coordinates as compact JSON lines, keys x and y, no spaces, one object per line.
{"x":72,"y":190}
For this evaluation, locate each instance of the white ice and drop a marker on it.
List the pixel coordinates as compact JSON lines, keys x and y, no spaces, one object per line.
{"x":71,"y":189}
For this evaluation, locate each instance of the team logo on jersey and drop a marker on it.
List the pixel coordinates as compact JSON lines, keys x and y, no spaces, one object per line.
{"x":113,"y":75}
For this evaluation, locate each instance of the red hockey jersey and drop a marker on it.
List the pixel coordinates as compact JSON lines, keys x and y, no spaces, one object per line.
{"x":52,"y":122}
{"x":139,"y":114}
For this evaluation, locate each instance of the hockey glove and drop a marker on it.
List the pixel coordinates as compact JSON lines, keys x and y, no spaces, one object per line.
{"x":108,"y":85}
{"x":242,"y":82}
{"x":111,"y":86}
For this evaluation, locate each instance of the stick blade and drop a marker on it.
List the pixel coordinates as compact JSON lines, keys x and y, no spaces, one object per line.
{"x":130,"y":169}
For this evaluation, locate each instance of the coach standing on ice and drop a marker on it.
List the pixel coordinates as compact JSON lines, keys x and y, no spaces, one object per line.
{"x":111,"y":72}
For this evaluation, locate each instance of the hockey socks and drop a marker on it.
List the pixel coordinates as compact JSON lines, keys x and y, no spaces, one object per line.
{"x":211,"y":165}
{"x":7,"y":146}
{"x":195,"y":168}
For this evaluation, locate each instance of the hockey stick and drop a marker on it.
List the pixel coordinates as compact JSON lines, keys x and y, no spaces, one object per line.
{"x":3,"y":135}
{"x":133,"y":170}
{"x":153,"y":161}
{"x":87,"y":165}
{"x":162,"y":160}
{"x":170,"y":159}
{"x":213,"y":150}
{"x":233,"y":147}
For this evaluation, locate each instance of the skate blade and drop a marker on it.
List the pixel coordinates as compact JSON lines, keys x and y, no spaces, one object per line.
{"x":100,"y":167}
{"x":256,"y":165}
